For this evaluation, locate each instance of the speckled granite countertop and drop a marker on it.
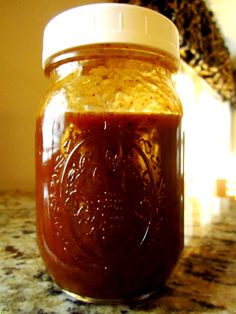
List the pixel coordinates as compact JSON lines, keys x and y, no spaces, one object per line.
{"x":203,"y":282}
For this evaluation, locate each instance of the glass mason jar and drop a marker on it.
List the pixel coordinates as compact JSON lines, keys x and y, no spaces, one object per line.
{"x":108,"y":153}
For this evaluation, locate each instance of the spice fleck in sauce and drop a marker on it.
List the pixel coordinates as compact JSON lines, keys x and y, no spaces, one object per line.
{"x":109,"y":217}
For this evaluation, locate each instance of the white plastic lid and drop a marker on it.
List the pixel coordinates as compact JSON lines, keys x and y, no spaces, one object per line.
{"x":109,"y":23}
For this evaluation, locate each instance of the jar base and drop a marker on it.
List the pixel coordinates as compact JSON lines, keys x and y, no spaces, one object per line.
{"x":109,"y":301}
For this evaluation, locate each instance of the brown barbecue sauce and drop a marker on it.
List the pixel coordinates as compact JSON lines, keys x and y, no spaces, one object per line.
{"x":109,"y":212}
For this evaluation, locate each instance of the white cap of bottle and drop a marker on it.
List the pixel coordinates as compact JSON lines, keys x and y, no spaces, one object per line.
{"x":109,"y":23}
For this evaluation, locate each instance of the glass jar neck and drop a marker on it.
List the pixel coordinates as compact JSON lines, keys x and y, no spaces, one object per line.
{"x":75,"y":59}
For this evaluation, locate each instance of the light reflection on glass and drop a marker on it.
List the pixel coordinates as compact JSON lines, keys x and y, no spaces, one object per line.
{"x":70,"y":68}
{"x":53,"y":124}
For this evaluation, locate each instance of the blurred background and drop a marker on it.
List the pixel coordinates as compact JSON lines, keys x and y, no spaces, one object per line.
{"x":209,"y":121}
